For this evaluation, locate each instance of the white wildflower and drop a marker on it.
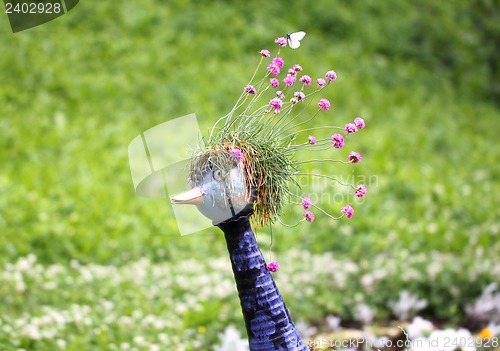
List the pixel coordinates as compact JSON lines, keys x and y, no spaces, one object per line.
{"x":419,"y":327}
{"x":61,"y":343}
{"x":31,"y":331}
{"x":364,"y":314}
{"x":231,"y":341}
{"x":305,"y":329}
{"x":407,"y":305}
{"x":333,"y":322}
{"x":139,"y":340}
{"x":487,"y":306}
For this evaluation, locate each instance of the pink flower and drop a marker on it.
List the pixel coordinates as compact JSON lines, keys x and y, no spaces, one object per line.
{"x":281,"y":41}
{"x":297,"y":67}
{"x":306,"y":80}
{"x":354,"y":157}
{"x":299,"y":95}
{"x":306,"y":202}
{"x":324,"y":104}
{"x":321,"y":82}
{"x":348,"y":211}
{"x":280,"y":94}
{"x":289,"y":80}
{"x":265,"y":53}
{"x":360,"y":190}
{"x":338,"y":141}
{"x":237,"y":154}
{"x":274,"y":82}
{"x":294,"y":101}
{"x":277,"y":104}
{"x":292,"y":72}
{"x":273,"y":266}
{"x":275,"y":70}
{"x":312,"y":139}
{"x":278,"y":61}
{"x":359,"y":122}
{"x":308,"y":216}
{"x":331,"y":75}
{"x":250,"y":89}
{"x":350,"y":128}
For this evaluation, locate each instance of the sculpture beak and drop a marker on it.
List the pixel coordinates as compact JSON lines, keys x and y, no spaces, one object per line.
{"x":191,"y":197}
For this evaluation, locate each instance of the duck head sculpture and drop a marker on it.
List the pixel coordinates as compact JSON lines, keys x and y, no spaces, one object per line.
{"x":219,"y":188}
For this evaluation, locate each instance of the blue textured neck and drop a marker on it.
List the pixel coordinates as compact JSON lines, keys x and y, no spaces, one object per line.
{"x":267,"y":320}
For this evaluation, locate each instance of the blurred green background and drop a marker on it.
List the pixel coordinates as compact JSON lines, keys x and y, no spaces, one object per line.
{"x":74,"y":92}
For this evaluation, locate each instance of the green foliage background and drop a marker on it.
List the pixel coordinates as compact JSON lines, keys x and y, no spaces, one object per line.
{"x":74,"y":92}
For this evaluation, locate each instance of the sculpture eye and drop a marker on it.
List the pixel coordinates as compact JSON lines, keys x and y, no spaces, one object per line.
{"x":218,"y":175}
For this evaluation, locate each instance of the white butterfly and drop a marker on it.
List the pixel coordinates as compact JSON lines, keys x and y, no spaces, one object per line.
{"x":295,"y":38}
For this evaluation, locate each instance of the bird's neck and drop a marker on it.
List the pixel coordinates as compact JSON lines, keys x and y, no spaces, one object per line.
{"x":267,"y":320}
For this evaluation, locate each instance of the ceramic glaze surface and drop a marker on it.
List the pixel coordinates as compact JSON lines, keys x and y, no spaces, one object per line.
{"x":267,"y":320}
{"x":225,"y":195}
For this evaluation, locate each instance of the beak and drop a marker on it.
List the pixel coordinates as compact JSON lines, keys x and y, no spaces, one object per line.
{"x":191,"y":197}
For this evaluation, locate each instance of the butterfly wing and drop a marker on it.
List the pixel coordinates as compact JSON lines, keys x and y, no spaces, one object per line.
{"x":298,"y":35}
{"x":295,"y":38}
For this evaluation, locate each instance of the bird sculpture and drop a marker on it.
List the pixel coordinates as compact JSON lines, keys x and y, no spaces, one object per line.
{"x":244,"y":172}
{"x":221,"y":194}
